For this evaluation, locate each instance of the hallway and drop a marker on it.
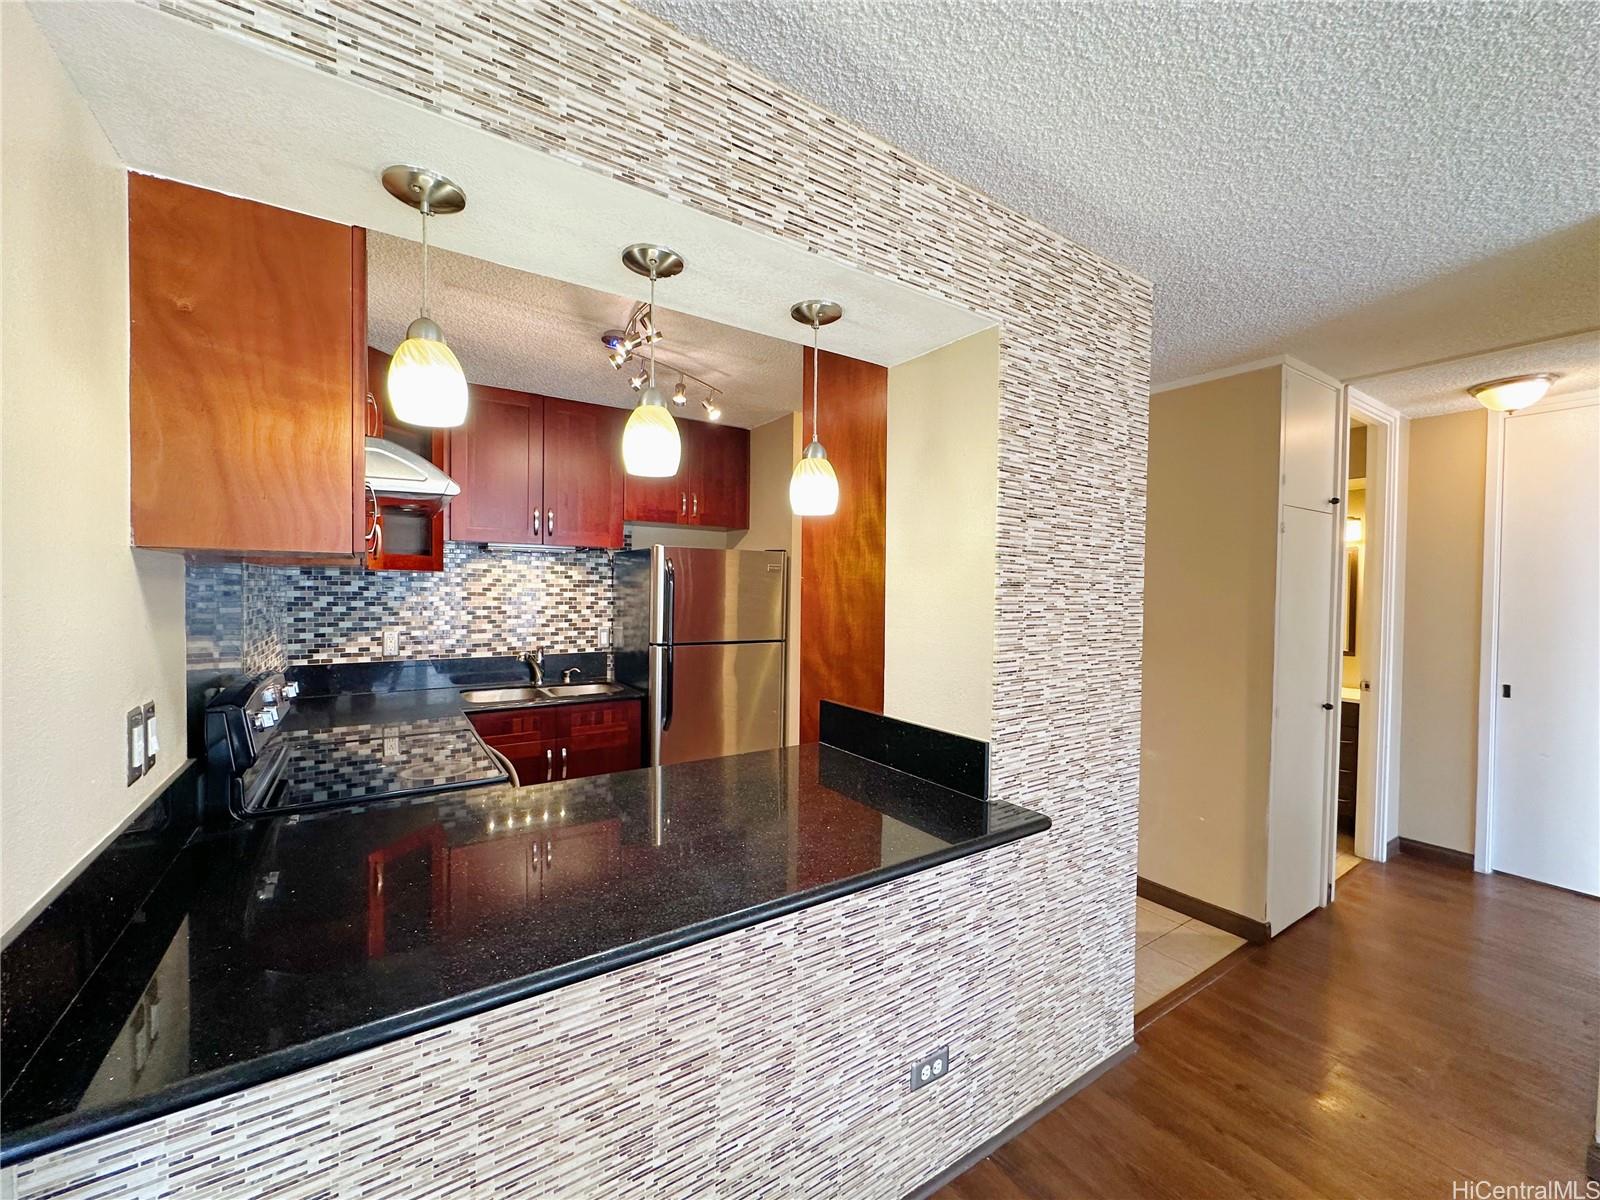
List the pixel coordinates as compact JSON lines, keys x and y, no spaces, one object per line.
{"x":1431,"y":1026}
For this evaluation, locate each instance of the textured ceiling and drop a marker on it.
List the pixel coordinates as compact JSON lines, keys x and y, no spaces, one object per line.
{"x":518,"y":330}
{"x":1365,"y":186}
{"x":1436,"y":388}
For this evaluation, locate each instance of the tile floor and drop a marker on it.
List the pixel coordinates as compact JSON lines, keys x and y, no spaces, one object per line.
{"x":1171,"y":950}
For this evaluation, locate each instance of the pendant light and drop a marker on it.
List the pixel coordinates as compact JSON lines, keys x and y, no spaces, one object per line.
{"x":651,"y":446}
{"x":426,"y":384}
{"x":814,"y":488}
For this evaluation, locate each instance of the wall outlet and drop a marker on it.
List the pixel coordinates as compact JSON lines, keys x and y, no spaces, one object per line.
{"x":135,"y":751}
{"x":391,"y":643}
{"x":152,"y":744}
{"x":930,"y":1069}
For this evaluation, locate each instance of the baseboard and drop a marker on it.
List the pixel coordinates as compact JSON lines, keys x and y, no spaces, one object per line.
{"x":1257,"y":932}
{"x":1593,"y":1162}
{"x":973,"y":1157}
{"x":1391,"y":849}
{"x":1428,"y":852}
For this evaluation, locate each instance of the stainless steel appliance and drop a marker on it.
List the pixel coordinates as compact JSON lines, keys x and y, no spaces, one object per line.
{"x":702,"y":631}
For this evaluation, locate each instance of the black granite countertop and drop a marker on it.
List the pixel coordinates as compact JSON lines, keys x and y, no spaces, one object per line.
{"x":286,"y":943}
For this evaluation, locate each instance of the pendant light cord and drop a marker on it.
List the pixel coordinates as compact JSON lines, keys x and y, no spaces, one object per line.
{"x":653,"y":324}
{"x":424,"y":260}
{"x":816,"y":370}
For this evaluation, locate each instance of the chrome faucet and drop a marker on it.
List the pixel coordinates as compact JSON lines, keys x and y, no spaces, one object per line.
{"x":535,"y":660}
{"x":569,"y":674}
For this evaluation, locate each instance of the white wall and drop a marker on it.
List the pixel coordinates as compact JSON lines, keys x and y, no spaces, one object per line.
{"x":88,"y":627}
{"x":939,"y":572}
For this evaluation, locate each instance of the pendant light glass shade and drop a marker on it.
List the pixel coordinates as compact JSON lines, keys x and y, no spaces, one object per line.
{"x":651,"y":446}
{"x":814,"y":488}
{"x":426,"y":383}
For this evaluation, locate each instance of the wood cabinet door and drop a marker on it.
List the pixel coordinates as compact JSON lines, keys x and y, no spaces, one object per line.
{"x":494,"y":878}
{"x":583,"y":476}
{"x":246,"y":381}
{"x":497,"y":456}
{"x":530,"y":737}
{"x":659,"y":501}
{"x":600,"y":738}
{"x":720,"y":495}
{"x":579,"y":855}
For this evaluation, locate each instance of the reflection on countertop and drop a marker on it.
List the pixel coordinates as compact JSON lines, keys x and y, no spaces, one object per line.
{"x":311,"y":936}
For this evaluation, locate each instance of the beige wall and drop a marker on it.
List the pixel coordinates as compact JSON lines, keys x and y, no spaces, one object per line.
{"x":939,"y":568}
{"x":774,"y":448}
{"x":1355,"y":506}
{"x":1210,"y":587}
{"x":88,"y":628}
{"x":1443,"y":600}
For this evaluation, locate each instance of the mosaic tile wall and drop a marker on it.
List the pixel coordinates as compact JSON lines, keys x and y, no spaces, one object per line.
{"x":483,"y":602}
{"x":769,"y":1063}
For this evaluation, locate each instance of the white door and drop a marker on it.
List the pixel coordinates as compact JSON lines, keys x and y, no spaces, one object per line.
{"x":1310,"y":443}
{"x":1303,"y":716}
{"x":1545,"y":818}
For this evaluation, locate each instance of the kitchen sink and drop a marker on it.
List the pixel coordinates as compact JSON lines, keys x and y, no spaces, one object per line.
{"x":505,"y":695}
{"x":563,"y":690}
{"x":529,"y":694}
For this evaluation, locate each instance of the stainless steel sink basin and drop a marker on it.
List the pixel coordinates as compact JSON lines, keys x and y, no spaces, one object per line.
{"x":529,"y":694}
{"x":564,"y":690}
{"x":505,"y":695}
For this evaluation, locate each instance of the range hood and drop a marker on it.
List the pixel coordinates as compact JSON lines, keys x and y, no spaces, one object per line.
{"x":400,"y":477}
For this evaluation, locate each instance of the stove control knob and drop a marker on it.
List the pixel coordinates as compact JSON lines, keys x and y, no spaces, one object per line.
{"x":269,"y":697}
{"x":291,"y":690}
{"x":266,"y":718}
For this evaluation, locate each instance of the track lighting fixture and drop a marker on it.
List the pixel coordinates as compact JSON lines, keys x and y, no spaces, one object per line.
{"x":680,"y":395}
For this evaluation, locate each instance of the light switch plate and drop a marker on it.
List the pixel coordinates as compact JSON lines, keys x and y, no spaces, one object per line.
{"x":150,"y":745}
{"x":134,"y":757}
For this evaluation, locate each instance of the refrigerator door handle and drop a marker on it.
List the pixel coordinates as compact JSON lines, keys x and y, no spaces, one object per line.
{"x":666,"y":687}
{"x":669,"y":603}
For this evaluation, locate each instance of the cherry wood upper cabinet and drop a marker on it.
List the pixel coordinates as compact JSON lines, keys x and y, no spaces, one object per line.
{"x":720,"y":476}
{"x":497,"y":456}
{"x":711,"y":488}
{"x":246,"y":377}
{"x":583,"y":489}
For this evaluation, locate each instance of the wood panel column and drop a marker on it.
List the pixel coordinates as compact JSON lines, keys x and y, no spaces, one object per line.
{"x":842,"y":556}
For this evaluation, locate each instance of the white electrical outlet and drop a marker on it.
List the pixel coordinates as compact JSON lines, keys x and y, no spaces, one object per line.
{"x":391,"y":643}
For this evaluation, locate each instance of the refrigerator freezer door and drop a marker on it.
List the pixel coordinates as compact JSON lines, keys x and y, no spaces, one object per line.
{"x":711,"y":700}
{"x":718,"y":595}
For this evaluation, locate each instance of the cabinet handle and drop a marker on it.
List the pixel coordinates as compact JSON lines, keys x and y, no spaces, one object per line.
{"x":696,"y":503}
{"x":683,"y":504}
{"x":536,"y":530}
{"x":563,"y":762}
{"x":375,"y":417}
{"x":549,"y":522}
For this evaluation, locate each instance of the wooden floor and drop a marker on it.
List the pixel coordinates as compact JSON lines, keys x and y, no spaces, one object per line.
{"x":1431,"y":1026}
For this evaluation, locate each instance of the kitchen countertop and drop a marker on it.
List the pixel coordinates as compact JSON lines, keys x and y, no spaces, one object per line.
{"x":289,"y":942}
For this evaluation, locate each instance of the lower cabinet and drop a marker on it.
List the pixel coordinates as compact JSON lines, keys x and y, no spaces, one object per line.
{"x":566,"y":741}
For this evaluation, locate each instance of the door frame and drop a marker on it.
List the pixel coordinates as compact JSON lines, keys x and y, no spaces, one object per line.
{"x":1381,"y":618}
{"x":1489,"y":628}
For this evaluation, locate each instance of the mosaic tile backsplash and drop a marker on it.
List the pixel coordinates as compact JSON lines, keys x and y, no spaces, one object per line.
{"x":766,"y":1064}
{"x":483,"y":602}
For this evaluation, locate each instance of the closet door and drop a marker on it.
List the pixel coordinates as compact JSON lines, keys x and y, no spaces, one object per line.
{"x":1304,"y":713}
{"x":1545,"y":820}
{"x":1310,"y":454}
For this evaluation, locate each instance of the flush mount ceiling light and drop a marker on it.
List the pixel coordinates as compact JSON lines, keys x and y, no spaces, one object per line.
{"x":650,"y":443}
{"x":814,"y":488}
{"x":1508,"y":395}
{"x":426,"y":384}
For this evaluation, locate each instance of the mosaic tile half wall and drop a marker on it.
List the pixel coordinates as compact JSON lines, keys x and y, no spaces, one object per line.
{"x":769,"y":1063}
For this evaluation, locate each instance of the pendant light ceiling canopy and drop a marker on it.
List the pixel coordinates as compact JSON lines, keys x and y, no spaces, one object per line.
{"x":651,"y":446}
{"x":814,"y":488}
{"x":426,"y":384}
{"x":1508,"y":395}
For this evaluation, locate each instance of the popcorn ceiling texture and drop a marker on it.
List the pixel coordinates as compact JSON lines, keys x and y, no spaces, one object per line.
{"x":771,"y":1062}
{"x":1360,"y":184}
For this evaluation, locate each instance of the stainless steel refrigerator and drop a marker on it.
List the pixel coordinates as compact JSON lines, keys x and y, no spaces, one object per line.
{"x":702,"y":631}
